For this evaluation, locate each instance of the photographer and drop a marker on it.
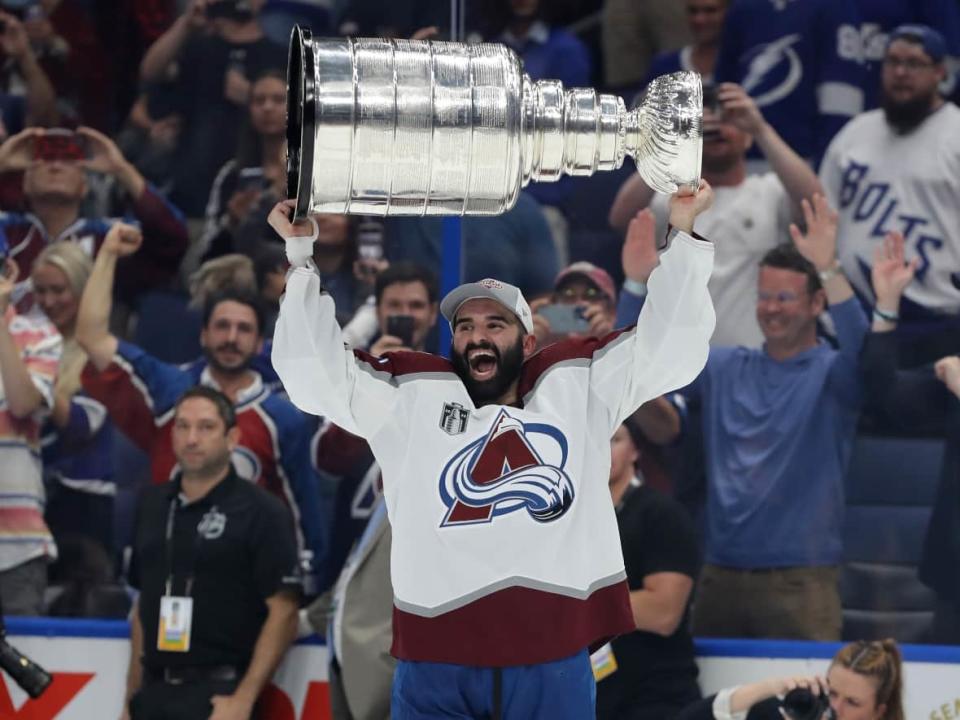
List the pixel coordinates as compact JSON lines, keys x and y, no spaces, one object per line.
{"x":213,"y":51}
{"x":864,"y":682}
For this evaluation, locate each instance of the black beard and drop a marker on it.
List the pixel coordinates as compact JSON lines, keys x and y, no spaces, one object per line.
{"x":905,"y":117}
{"x":484,"y":392}
{"x":215,"y":364}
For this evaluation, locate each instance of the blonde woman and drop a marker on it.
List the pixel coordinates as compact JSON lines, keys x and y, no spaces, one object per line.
{"x":864,"y":682}
{"x":77,"y":437}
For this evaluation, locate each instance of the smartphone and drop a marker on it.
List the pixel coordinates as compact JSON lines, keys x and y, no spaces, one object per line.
{"x":401,"y":327}
{"x":60,"y":144}
{"x":565,"y":319}
{"x":252,"y":178}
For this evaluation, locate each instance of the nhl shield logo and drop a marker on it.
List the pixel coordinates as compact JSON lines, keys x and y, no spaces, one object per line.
{"x":212,"y":524}
{"x":453,"y":420}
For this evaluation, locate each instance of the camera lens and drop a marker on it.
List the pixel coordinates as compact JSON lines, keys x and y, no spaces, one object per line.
{"x":802,"y":704}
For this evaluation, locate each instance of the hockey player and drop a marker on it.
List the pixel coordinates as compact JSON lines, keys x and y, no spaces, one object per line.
{"x":506,"y":561}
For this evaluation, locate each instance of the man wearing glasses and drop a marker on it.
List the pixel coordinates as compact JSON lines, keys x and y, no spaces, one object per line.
{"x":778,"y":427}
{"x":897,"y":168}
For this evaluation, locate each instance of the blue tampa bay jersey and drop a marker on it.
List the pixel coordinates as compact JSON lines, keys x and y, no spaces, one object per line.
{"x":800,"y":60}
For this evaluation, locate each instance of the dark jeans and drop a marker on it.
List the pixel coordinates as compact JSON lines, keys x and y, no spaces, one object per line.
{"x":157,"y":700}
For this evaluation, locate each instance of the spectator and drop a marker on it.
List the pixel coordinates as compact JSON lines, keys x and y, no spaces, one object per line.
{"x":910,"y":186}
{"x":220,"y":275}
{"x":879,"y":19}
{"x":515,"y":247}
{"x":29,"y":355}
{"x":587,"y":289}
{"x":778,"y":424}
{"x":65,"y":41}
{"x":270,"y":275}
{"x":705,"y":20}
{"x":55,"y":187}
{"x":865,"y":681}
{"x":222,"y":600}
{"x":925,"y":398}
{"x":634,"y":33}
{"x":139,"y":392}
{"x":150,"y":143}
{"x":257,"y":166}
{"x":77,"y":434}
{"x":649,"y":674}
{"x":214,"y":50}
{"x":751,"y":214}
{"x":548,"y":53}
{"x":800,"y":61}
{"x":400,"y":19}
{"x":36,"y":105}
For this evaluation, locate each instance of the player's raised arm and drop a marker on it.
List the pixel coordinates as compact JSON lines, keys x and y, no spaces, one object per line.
{"x":669,"y":345}
{"x":320,"y":374}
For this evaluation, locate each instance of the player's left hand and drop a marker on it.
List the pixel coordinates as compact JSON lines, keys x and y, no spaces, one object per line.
{"x":686,"y":204}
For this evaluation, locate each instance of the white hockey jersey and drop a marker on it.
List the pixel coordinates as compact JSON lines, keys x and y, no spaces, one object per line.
{"x":505,"y":542}
{"x":881,"y":181}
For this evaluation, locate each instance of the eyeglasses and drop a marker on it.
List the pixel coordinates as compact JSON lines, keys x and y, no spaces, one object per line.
{"x":589,"y":294}
{"x":909,"y":64}
{"x":783,"y":297}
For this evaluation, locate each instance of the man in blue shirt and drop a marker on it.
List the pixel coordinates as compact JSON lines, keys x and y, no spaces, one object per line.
{"x":778,"y":426}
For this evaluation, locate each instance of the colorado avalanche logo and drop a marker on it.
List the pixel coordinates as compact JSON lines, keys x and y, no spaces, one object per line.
{"x":503,"y":473}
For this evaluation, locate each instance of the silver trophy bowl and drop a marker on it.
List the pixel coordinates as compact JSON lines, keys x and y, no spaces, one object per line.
{"x":410,"y":127}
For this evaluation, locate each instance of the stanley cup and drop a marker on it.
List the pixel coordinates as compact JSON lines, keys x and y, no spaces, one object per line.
{"x":406,"y":127}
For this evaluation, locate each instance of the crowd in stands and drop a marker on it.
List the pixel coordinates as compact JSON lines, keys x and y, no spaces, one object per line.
{"x":143,"y":148}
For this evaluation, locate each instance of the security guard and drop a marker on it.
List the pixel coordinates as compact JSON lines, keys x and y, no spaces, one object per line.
{"x":215,"y":560}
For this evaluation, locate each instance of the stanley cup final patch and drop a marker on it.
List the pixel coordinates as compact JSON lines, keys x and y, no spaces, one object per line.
{"x":453,"y":420}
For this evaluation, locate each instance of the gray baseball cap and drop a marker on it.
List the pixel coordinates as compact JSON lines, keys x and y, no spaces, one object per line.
{"x":504,"y":293}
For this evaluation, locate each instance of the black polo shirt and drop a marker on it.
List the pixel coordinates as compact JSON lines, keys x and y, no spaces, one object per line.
{"x":245,"y":553}
{"x":657,"y":535}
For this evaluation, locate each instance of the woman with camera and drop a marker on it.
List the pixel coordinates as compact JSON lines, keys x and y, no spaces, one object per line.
{"x":864,"y":682}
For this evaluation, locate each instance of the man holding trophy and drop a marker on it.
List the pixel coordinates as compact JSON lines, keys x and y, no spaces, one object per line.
{"x":506,"y":561}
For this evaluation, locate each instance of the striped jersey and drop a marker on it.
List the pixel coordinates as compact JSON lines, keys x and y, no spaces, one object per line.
{"x":23,"y":533}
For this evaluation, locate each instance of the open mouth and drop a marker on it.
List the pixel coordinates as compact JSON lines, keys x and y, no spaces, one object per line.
{"x":483,"y":364}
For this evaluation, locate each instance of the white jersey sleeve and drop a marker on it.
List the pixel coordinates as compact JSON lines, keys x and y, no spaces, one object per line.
{"x":320,"y":374}
{"x":669,"y":345}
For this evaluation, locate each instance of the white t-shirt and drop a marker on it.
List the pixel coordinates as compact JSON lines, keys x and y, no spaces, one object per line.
{"x":744,"y":222}
{"x":881,"y":181}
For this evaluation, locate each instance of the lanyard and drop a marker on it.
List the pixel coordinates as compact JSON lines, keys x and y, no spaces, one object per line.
{"x":198,"y":539}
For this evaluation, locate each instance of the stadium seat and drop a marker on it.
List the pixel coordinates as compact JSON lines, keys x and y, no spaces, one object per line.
{"x":891,"y":486}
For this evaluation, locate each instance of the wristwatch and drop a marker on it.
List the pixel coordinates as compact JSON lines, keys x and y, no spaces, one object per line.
{"x":830,"y":272}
